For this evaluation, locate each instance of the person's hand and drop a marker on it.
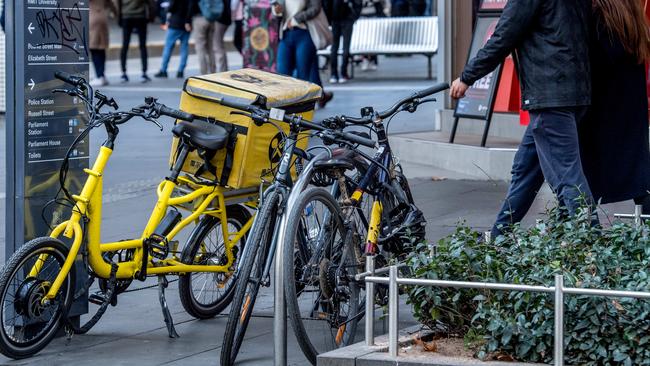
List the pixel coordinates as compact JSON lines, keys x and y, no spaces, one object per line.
{"x":290,"y":23}
{"x":458,"y":89}
{"x":164,"y":26}
{"x":188,"y":27}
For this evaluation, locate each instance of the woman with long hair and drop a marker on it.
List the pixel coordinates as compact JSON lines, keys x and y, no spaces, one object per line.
{"x":614,"y":137}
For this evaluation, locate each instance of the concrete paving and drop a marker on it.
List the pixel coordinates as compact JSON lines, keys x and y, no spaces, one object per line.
{"x":134,"y":331}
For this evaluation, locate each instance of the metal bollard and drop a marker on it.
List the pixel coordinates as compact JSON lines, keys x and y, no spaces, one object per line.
{"x":638,"y":212}
{"x":559,"y":321}
{"x":393,"y":312}
{"x":370,"y":302}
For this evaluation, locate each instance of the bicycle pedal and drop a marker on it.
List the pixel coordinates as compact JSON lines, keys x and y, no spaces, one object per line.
{"x":97,"y":299}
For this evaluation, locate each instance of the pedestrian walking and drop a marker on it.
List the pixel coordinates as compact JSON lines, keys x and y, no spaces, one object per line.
{"x":342,"y":15}
{"x":179,"y":27}
{"x":98,"y":41}
{"x":614,"y":137}
{"x":296,"y":52}
{"x":551,"y":39}
{"x":134,"y":15}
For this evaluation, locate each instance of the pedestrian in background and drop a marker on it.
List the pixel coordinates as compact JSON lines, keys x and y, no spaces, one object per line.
{"x":296,"y":52}
{"x":210,"y":26}
{"x":614,"y":138}
{"x":98,"y":42}
{"x":342,"y":15}
{"x":134,"y":15}
{"x":372,"y":9}
{"x":179,"y":28}
{"x":551,"y":38}
{"x":237,"y":7}
{"x":220,"y":27}
{"x":203,"y":33}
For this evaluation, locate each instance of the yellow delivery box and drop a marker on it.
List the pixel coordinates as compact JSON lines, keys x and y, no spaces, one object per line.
{"x":252,"y":150}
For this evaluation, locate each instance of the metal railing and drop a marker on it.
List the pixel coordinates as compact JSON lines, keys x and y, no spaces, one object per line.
{"x":637,"y":216}
{"x":393,"y":281}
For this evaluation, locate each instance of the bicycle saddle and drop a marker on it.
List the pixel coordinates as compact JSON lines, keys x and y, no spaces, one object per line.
{"x":202,"y":135}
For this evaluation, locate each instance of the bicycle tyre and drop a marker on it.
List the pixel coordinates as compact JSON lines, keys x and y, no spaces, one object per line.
{"x":36,"y":247}
{"x":260,"y":238}
{"x":238,"y":216}
{"x":304,"y":337}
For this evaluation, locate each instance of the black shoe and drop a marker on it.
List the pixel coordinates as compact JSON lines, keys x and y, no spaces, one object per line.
{"x":145,"y":79}
{"x":179,"y":75}
{"x":124,"y":79}
{"x":161,"y":74}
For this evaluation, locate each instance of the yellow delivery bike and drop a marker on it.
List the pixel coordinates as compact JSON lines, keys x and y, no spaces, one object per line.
{"x":38,"y":284}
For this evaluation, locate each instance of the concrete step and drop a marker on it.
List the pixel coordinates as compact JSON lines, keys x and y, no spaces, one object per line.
{"x":465,"y":157}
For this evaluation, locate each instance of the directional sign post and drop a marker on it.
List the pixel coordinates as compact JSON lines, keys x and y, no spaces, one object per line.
{"x":43,"y":36}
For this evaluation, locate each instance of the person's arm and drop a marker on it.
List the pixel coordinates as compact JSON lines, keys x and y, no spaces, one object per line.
{"x":310,"y":12}
{"x":513,"y":26}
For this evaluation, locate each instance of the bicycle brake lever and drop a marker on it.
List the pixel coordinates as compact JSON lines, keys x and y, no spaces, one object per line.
{"x":154,"y":121}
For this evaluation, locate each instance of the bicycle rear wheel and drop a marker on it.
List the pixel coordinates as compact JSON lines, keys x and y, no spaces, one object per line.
{"x":28,"y":325}
{"x":322,"y":297}
{"x":249,"y":278}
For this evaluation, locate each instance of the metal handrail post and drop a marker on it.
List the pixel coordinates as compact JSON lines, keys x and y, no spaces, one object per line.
{"x":280,"y":302}
{"x":370,"y":303}
{"x":559,"y":321}
{"x":393,"y":312}
{"x":638,"y":211}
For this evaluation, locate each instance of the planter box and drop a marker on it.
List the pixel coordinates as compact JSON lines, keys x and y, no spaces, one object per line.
{"x":361,"y":355}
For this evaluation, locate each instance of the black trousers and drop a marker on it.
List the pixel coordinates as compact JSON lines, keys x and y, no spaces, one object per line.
{"x":99,"y":61}
{"x":239,"y":35}
{"x":341,"y":28}
{"x":128,"y":27}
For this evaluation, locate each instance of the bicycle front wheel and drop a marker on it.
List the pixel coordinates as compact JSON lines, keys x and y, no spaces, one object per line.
{"x":249,"y":278}
{"x":205,"y":295}
{"x":320,"y":264}
{"x":28,"y":325}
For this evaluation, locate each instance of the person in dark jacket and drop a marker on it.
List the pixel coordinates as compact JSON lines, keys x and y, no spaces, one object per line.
{"x":614,"y":137}
{"x":342,"y":15}
{"x":179,"y":28}
{"x":134,"y":16}
{"x":550,"y":40}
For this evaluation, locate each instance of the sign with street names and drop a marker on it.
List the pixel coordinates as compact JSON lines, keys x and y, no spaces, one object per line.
{"x":43,"y":37}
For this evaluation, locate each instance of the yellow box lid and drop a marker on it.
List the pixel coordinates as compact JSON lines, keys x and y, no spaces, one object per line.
{"x":253,"y":86}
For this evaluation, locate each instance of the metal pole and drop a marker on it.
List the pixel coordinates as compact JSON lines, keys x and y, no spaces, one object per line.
{"x":280,"y":308}
{"x":370,"y":303}
{"x":488,"y":237}
{"x":638,"y":211}
{"x":280,"y":315}
{"x":559,"y":321}
{"x":393,"y":311}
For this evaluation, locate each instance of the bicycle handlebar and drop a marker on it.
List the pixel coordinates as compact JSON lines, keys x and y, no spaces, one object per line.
{"x":70,"y":79}
{"x":174,"y":113}
{"x":293,"y":119}
{"x":419,"y":95}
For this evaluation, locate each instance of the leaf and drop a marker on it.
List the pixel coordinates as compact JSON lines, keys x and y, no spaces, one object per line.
{"x":507,"y":335}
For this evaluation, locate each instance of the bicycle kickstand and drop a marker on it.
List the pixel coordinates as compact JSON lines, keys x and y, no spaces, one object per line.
{"x":162,"y":285}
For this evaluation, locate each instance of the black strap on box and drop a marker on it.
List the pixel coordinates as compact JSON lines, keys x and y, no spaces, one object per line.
{"x":208,"y":155}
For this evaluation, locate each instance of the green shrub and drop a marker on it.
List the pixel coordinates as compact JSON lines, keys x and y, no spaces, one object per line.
{"x":598,"y":331}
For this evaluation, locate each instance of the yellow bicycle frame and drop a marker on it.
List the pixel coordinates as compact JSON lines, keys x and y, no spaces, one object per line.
{"x":89,"y":204}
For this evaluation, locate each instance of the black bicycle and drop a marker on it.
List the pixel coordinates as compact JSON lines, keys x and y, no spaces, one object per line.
{"x":258,"y":256}
{"x":323,"y":251}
